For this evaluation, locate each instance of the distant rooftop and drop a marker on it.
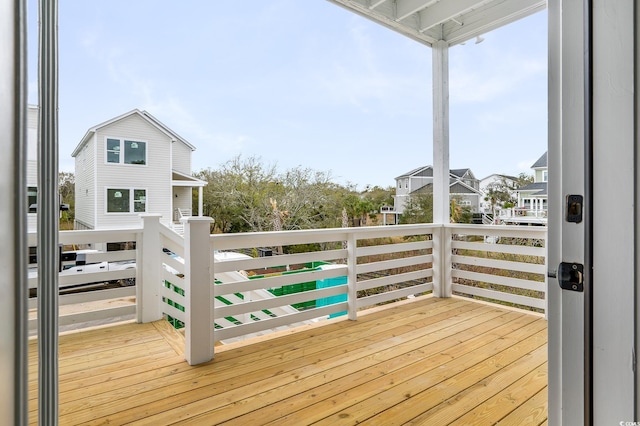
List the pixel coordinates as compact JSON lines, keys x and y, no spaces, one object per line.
{"x":541,"y":162}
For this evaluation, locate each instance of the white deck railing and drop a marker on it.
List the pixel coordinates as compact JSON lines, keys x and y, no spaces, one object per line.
{"x":500,"y":263}
{"x":105,"y":281}
{"x":326,"y":273}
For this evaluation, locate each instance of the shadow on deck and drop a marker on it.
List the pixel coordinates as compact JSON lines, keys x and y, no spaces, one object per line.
{"x":427,"y":361}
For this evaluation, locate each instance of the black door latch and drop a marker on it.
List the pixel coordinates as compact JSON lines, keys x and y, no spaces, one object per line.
{"x":570,"y":276}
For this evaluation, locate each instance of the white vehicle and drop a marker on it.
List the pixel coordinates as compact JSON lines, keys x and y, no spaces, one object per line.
{"x":75,"y":264}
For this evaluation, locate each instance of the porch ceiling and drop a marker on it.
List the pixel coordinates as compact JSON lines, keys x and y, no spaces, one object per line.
{"x":454,"y":21}
{"x":181,"y":179}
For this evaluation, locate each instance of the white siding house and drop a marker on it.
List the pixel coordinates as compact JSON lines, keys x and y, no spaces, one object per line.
{"x":463,"y":185}
{"x":495,"y":179}
{"x":32,"y":166}
{"x":129,"y":165}
{"x":532,"y":199}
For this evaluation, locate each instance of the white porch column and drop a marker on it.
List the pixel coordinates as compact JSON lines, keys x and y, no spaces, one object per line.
{"x":200,"y":201}
{"x":199,"y":290}
{"x":440,"y":51}
{"x":441,"y":260}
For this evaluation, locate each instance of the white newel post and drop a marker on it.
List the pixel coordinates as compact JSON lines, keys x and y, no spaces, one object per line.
{"x":198,"y":288}
{"x":437,"y":261}
{"x":352,"y":277}
{"x":148,"y":270}
{"x":447,"y":264}
{"x":442,"y":262}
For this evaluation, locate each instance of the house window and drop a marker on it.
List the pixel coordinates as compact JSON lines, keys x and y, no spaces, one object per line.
{"x":124,"y":200}
{"x":32,"y":199}
{"x":122,"y":151}
{"x":545,"y":175}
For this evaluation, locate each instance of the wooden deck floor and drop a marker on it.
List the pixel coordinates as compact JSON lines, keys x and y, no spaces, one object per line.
{"x":431,"y":361}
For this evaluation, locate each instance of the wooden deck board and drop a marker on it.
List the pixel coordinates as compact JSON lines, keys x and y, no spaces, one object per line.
{"x":431,"y":361}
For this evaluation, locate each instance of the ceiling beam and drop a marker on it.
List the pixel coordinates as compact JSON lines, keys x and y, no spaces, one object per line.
{"x":445,"y":11}
{"x":387,"y":21}
{"x":406,"y":8}
{"x":375,"y":3}
{"x":494,"y":15}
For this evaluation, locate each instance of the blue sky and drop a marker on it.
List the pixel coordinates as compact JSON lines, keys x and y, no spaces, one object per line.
{"x":297,"y":83}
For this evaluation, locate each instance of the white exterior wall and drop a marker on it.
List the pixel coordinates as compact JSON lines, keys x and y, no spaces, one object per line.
{"x":403,"y":190}
{"x":418,"y":182}
{"x":181,"y":158}
{"x":85,"y":186}
{"x":182,"y":199}
{"x":154,"y":177}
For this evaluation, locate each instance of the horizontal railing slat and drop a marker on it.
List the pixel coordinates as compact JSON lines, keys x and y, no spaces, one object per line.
{"x":93,"y":315}
{"x":394,"y":263}
{"x":500,"y":280}
{"x":394,"y":279}
{"x":278,"y":301}
{"x":96,"y":277}
{"x":285,"y":320}
{"x":534,"y":232}
{"x":270,"y":261}
{"x":89,"y":296}
{"x":174,"y":312}
{"x":173,"y":263}
{"x":278,"y":281}
{"x":533,"y":268}
{"x":173,"y":295}
{"x":500,"y":248}
{"x":498,"y":295}
{"x":394,"y":248}
{"x":394,"y":294}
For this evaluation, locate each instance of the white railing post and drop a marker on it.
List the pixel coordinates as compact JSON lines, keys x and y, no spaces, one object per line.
{"x":437,"y":262}
{"x":442,"y":262}
{"x":352,"y":276}
{"x":198,"y":289}
{"x":148,"y":269}
{"x":447,"y":265}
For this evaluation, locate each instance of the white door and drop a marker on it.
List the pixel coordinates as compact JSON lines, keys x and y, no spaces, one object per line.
{"x":593,"y":193}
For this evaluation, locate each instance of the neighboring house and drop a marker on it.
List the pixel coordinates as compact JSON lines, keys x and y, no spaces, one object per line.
{"x":32,"y":168}
{"x":463,"y":185}
{"x":487,"y":182}
{"x":129,"y":165}
{"x":532,"y":198}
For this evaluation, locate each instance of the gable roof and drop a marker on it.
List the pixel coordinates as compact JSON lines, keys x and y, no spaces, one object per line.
{"x":424,"y":171}
{"x":541,"y":162}
{"x":456,"y":186}
{"x":427,"y":171}
{"x":142,"y":114}
{"x":460,"y":187}
{"x":500,"y":176}
{"x":462,"y":173}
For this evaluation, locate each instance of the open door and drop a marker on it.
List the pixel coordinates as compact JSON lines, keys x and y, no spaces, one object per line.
{"x":593,"y":192}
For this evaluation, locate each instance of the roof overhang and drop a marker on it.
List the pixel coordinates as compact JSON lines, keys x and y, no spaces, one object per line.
{"x":182,"y":179}
{"x":454,"y":21}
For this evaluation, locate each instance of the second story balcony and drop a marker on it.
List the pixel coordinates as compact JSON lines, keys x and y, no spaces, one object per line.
{"x":426,"y":324}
